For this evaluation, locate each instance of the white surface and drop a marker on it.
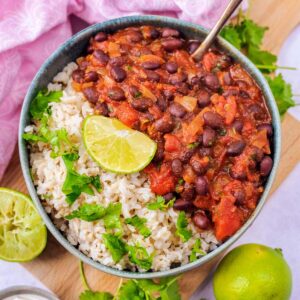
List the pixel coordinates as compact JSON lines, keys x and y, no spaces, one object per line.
{"x":290,"y":57}
{"x":276,"y":226}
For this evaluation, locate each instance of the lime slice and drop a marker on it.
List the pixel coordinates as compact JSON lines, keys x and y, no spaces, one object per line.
{"x":116,"y":147}
{"x":23,"y":235}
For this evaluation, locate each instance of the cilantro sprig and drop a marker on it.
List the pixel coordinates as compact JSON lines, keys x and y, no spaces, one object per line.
{"x":181,"y":227}
{"x":247,"y":36}
{"x":196,"y":251}
{"x":161,"y":204}
{"x":144,"y":289}
{"x":139,"y":224}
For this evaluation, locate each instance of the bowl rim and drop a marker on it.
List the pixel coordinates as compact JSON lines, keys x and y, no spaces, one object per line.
{"x":138,"y":20}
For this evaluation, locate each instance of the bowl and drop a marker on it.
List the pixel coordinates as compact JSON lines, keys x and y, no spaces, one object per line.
{"x":72,"y":49}
{"x":22,"y":290}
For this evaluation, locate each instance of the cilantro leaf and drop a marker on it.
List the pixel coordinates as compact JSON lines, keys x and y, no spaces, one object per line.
{"x":139,"y":224}
{"x":115,"y":246}
{"x":161,"y":203}
{"x":282,"y":92}
{"x":196,"y":250}
{"x":89,"y":295}
{"x":88,"y":212}
{"x":171,"y":291}
{"x":264,"y":58}
{"x":181,"y":227}
{"x":131,"y":291}
{"x":139,"y":256}
{"x":75,"y":183}
{"x":112,"y":216}
{"x":231,"y":34}
{"x":39,"y":104}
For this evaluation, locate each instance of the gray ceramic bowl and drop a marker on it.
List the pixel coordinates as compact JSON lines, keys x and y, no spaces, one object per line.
{"x":21,"y":290}
{"x":72,"y":49}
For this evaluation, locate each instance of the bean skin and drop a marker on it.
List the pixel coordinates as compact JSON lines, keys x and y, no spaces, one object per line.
{"x":134,"y":91}
{"x":171,"y":44}
{"x":212,"y":82}
{"x":266,"y":166}
{"x":169,"y":196}
{"x":91,"y":94}
{"x":236,"y":148}
{"x":198,"y":168}
{"x":227,"y":78}
{"x":102,"y":109}
{"x":239,"y":176}
{"x":118,"y":61}
{"x":141,"y":104}
{"x":154,"y":33}
{"x":101,"y":57}
{"x":162,"y":103}
{"x":171,"y":67}
{"x":188,"y":192}
{"x":159,"y":155}
{"x":201,"y":185}
{"x":203,"y":98}
{"x":116,"y":93}
{"x":164,"y":125}
{"x":100,"y":37}
{"x":170,"y":32}
{"x":183,"y":205}
{"x":267,"y":127}
{"x":201,"y":220}
{"x":135,"y":36}
{"x":192,"y":46}
{"x":186,"y":155}
{"x":77,"y":76}
{"x":209,"y":137}
{"x":177,"y":110}
{"x":205,"y":151}
{"x":152,"y":76}
{"x":237,"y":125}
{"x":240,"y":197}
{"x":178,"y":78}
{"x":256,"y":111}
{"x":151,"y":65}
{"x":177,"y":167}
{"x":214,"y":120}
{"x":118,"y":73}
{"x":91,"y":76}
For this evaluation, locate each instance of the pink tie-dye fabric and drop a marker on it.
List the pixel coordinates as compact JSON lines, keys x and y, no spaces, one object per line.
{"x":30,"y":30}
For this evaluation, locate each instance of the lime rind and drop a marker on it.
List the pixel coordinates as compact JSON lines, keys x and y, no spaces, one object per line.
{"x":116,"y":147}
{"x":23,"y":236}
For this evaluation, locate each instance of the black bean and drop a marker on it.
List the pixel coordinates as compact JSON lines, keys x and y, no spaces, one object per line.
{"x":134,"y":36}
{"x":116,"y":93}
{"x":102,"y":109}
{"x":177,"y":110}
{"x":182,"y":88}
{"x":194,"y":81}
{"x":168,"y":196}
{"x":100,"y":37}
{"x":201,"y":185}
{"x":237,"y":125}
{"x":227,"y":78}
{"x":244,"y":94}
{"x":101,"y":57}
{"x":164,"y":125}
{"x":184,"y":205}
{"x":266,"y":166}
{"x":188,"y":192}
{"x":77,"y":76}
{"x":212,"y":82}
{"x":90,"y":49}
{"x":230,"y":92}
{"x":209,"y":137}
{"x":239,"y":196}
{"x":141,"y":104}
{"x":203,"y":98}
{"x":152,"y":75}
{"x":118,"y":61}
{"x":266,"y":127}
{"x":192,"y":46}
{"x":91,"y":94}
{"x":162,"y":103}
{"x":91,"y":76}
{"x":170,"y":32}
{"x":204,"y":151}
{"x":256,"y":111}
{"x":177,"y":167}
{"x":171,"y":67}
{"x":241,"y":175}
{"x":151,"y":65}
{"x":134,"y":91}
{"x":225,"y":61}
{"x":186,"y":155}
{"x":212,"y":119}
{"x":258,"y":154}
{"x":236,"y":148}
{"x":118,"y":73}
{"x":198,"y":167}
{"x":201,"y":220}
{"x":172,"y":44}
{"x":178,"y":78}
{"x":159,"y":155}
{"x":154,"y":33}
{"x":168,"y":94}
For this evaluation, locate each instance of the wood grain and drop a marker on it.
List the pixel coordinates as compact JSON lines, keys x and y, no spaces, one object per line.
{"x":58,"y":269}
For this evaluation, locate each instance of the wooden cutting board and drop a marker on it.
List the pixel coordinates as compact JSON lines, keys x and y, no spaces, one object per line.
{"x":59,"y":270}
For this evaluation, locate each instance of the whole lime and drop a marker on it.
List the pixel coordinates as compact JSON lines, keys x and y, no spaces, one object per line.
{"x":253,"y":272}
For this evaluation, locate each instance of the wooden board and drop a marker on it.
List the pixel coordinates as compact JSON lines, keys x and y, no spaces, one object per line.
{"x":58,"y":269}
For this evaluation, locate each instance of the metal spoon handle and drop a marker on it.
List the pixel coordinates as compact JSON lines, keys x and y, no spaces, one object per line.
{"x":231,"y":7}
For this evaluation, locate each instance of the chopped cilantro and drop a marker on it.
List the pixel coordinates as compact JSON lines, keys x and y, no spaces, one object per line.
{"x":193,"y":145}
{"x":139,"y":256}
{"x":112,"y":216}
{"x":137,"y":94}
{"x":88,"y":212}
{"x":196,"y":250}
{"x":115,"y":246}
{"x":181,"y":227}
{"x":161,"y":203}
{"x":139,"y":224}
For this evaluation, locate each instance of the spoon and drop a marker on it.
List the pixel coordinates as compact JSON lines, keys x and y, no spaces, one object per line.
{"x":231,"y":7}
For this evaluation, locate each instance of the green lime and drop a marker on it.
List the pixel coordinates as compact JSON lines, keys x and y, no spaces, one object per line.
{"x":116,"y":147}
{"x":23,"y":235}
{"x":253,"y":272}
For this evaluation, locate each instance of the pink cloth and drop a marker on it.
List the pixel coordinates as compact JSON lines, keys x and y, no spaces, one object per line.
{"x":30,"y":30}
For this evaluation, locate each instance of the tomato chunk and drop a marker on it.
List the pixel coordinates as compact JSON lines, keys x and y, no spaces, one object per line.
{"x":126,"y":114}
{"x":172,"y":143}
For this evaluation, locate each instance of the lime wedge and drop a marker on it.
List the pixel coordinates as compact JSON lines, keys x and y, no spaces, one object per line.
{"x":23,"y":235}
{"x":116,"y":147}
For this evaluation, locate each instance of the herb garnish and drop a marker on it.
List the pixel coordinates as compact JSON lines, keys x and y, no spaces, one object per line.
{"x":181,"y":227}
{"x":139,"y":256}
{"x":161,"y":203}
{"x":196,"y":250}
{"x":88,"y":212}
{"x":139,"y":224}
{"x":115,"y":245}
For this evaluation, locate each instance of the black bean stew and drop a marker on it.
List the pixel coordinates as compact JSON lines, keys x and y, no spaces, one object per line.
{"x":208,"y":118}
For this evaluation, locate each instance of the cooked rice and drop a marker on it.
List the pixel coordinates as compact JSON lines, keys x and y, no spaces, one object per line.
{"x":133,"y":191}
